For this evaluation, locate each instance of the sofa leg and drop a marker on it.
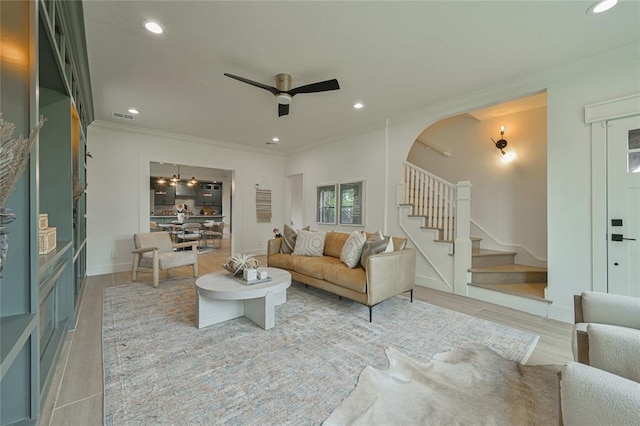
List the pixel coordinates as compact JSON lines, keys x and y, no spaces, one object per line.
{"x":370,"y":313}
{"x":411,"y":295}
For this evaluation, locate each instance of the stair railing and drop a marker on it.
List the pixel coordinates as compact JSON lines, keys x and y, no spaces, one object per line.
{"x":431,"y":197}
{"x":446,"y":207}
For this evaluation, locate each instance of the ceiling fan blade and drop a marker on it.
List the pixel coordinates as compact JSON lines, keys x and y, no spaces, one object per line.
{"x":322,"y":86}
{"x":283,"y":110}
{"x":254,"y":83}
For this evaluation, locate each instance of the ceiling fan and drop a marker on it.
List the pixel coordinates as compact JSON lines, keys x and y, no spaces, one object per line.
{"x":283,"y":91}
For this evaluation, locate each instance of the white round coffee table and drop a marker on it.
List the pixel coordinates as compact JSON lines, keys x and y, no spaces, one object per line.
{"x":222,"y":297}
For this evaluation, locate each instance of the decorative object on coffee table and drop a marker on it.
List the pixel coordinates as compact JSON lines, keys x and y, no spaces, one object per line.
{"x":239,"y":262}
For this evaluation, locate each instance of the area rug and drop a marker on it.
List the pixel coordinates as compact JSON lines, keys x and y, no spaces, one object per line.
{"x":467,"y":386}
{"x":160,"y":369}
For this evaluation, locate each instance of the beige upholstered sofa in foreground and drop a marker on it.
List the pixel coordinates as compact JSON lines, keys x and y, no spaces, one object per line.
{"x":386,"y":274}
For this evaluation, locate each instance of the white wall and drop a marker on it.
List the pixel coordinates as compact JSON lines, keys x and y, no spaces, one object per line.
{"x":509,"y":199}
{"x":361,"y":157}
{"x":118,"y":188}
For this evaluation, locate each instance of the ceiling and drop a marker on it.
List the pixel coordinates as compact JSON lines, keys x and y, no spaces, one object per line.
{"x":395,"y":57}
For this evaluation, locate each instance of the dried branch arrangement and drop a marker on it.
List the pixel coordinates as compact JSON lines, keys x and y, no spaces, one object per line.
{"x":238,"y":262}
{"x":14,"y":155}
{"x":78,"y":189}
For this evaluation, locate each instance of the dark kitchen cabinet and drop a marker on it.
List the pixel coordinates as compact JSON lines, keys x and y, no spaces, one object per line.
{"x":165,"y":196}
{"x":209,"y":194}
{"x":163,"y":193}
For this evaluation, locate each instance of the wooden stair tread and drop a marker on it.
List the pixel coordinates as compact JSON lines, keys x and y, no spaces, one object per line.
{"x":528,"y":290}
{"x":486,"y":252}
{"x":508,"y":268}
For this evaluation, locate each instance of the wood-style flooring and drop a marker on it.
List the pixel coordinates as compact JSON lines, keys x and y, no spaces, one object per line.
{"x":76,"y":394}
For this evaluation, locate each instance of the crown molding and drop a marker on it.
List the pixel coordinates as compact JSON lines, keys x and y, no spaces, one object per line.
{"x":202,"y":141}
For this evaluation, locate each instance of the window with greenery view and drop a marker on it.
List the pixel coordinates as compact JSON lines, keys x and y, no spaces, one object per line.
{"x":352,"y":203}
{"x":326,"y":204}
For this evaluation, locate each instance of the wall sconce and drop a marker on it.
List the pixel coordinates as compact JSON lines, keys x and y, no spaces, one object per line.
{"x":501,"y":144}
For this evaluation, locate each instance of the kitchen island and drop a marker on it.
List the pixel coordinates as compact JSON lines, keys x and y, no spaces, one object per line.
{"x":199,"y":218}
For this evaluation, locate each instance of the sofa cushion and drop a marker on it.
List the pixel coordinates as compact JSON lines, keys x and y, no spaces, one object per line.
{"x":334,"y":242}
{"x":352,"y":249}
{"x":281,"y":260}
{"x":376,"y":243}
{"x":309,"y":243}
{"x":171,"y":260}
{"x":312,"y":266}
{"x":289,"y":241}
{"x":340,"y":274}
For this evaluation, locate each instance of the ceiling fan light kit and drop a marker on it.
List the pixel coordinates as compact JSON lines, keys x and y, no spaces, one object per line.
{"x":283,"y":98}
{"x":283,"y":91}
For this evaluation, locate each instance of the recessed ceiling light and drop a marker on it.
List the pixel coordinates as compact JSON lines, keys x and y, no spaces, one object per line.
{"x":153,"y":27}
{"x":133,"y":111}
{"x":601,"y":6}
{"x":358,"y":105}
{"x":275,"y":139}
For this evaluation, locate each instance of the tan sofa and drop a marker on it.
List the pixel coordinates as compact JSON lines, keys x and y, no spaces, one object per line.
{"x":386,"y":275}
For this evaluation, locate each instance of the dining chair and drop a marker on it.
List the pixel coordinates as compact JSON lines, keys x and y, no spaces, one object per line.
{"x":190,"y":231}
{"x":213,"y":231}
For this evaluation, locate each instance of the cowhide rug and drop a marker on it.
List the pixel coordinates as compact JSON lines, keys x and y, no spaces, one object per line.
{"x":469,"y":386}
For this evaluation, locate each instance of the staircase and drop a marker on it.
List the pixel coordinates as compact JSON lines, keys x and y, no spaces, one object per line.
{"x":490,"y":275}
{"x":496,"y":270}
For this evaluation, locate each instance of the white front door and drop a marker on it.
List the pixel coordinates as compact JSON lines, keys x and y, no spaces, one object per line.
{"x":623,"y":205}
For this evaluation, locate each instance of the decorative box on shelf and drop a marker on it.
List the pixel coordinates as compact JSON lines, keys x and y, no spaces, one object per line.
{"x":46,"y":240}
{"x":43,"y":221}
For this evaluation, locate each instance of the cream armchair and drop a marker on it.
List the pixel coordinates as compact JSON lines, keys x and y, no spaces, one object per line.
{"x":154,"y":250}
{"x":603,"y":387}
{"x":609,"y":321}
{"x":593,"y":397}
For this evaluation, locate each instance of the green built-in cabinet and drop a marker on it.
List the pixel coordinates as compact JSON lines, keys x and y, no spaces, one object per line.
{"x":46,"y":75}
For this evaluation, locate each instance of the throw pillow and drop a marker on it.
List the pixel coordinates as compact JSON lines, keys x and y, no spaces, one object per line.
{"x":377,"y":243}
{"x":309,"y":243}
{"x":352,"y":249}
{"x":399,"y":244}
{"x":289,"y":241}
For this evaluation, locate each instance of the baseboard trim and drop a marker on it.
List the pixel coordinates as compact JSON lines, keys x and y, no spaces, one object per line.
{"x":534,"y":307}
{"x":561,"y":313}
{"x":108,"y":269}
{"x":432,"y":283}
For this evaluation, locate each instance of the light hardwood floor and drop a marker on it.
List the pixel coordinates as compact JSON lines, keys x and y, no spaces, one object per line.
{"x":76,"y":394}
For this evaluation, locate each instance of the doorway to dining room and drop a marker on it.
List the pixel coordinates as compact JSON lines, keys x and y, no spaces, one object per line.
{"x":194,"y":194}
